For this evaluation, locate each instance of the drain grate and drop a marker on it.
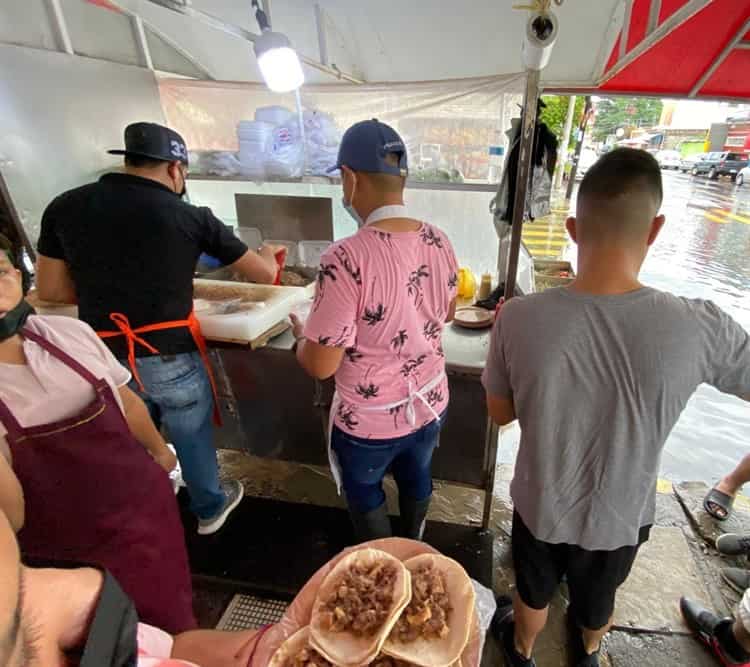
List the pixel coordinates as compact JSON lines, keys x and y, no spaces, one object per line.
{"x":247,"y":612}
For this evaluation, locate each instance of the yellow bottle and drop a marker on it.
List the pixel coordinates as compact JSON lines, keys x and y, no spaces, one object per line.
{"x":467,"y":284}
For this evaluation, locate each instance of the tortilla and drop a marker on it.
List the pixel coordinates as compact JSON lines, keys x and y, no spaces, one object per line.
{"x":344,"y":648}
{"x":401,"y":663}
{"x":301,"y":639}
{"x":441,"y":652}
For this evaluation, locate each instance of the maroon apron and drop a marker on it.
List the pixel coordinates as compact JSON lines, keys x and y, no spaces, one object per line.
{"x":94,"y":494}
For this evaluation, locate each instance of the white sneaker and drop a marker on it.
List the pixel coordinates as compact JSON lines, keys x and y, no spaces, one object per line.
{"x":234,"y":492}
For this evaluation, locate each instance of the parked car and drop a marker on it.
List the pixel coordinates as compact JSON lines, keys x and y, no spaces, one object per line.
{"x":720,"y":164}
{"x":668,"y":159}
{"x":687,"y":163}
{"x":743,"y":177}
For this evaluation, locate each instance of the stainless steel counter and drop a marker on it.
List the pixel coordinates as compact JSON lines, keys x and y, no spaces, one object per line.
{"x":271,"y":408}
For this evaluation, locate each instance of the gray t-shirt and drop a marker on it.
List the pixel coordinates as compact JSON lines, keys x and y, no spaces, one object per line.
{"x":598,"y":383}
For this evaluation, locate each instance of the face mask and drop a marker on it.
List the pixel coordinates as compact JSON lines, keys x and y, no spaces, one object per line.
{"x":349,"y":208}
{"x":14,"y":320}
{"x":183,"y":191}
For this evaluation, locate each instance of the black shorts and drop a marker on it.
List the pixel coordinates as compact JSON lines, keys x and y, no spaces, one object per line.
{"x":593,"y":576}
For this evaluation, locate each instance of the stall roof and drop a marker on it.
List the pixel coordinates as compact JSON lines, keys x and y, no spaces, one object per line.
{"x":683,"y":48}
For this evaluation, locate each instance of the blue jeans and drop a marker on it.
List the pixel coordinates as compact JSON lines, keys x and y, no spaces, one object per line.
{"x":178,"y":396}
{"x":364,"y":463}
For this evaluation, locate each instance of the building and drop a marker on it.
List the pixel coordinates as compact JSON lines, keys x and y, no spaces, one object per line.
{"x":738,"y":133}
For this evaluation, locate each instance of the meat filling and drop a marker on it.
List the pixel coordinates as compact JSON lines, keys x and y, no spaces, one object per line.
{"x":362,"y":600}
{"x":429,"y":610}
{"x":308,"y":657}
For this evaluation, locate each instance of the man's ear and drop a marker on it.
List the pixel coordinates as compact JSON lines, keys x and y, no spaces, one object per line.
{"x":173,"y":169}
{"x":656,"y":227}
{"x":570,"y":225}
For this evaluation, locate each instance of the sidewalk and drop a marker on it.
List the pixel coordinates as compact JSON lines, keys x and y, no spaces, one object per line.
{"x":676,"y":561}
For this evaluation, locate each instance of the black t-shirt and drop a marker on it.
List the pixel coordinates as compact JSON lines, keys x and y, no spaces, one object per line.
{"x":132,"y":245}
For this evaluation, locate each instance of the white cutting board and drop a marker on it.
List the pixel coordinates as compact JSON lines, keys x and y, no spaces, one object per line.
{"x":248,"y":325}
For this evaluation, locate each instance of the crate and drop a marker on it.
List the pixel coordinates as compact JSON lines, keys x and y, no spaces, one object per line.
{"x":547,"y":273}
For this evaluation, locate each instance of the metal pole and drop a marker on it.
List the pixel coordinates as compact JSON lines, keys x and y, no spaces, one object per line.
{"x":303,"y":138}
{"x":579,"y":147}
{"x":562,"y":156}
{"x":525,"y":150}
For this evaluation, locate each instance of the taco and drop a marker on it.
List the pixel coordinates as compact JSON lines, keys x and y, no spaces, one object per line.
{"x":356,"y":606}
{"x":384,"y":660}
{"x":434,"y":628}
{"x":296,"y":652}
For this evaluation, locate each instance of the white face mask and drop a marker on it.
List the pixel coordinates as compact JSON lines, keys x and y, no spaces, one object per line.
{"x":349,"y":208}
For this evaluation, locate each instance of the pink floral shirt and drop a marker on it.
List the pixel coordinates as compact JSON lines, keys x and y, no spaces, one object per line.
{"x":385,"y":298}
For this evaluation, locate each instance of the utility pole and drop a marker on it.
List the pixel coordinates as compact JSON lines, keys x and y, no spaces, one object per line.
{"x":562,"y":155}
{"x":579,"y":145}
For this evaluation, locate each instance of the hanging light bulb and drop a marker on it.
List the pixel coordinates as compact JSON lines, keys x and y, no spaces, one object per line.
{"x":278,"y":62}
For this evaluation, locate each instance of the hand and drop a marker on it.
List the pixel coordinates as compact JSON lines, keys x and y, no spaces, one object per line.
{"x":61,"y":604}
{"x":166,"y":459}
{"x":298,"y":328}
{"x":299,"y":612}
{"x":269,"y":251}
{"x":272,"y":248}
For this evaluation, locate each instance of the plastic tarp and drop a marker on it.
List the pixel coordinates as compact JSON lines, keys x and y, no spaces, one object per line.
{"x":704,"y":55}
{"x":448,"y":126}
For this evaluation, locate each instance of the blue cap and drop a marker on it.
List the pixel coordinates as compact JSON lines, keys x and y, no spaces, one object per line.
{"x":365,"y":145}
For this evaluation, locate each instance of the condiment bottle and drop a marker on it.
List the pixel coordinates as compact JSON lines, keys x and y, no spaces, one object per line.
{"x":485,"y":287}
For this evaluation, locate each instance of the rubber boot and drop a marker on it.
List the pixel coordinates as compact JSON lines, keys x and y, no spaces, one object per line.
{"x":413,"y":516}
{"x":372,"y":525}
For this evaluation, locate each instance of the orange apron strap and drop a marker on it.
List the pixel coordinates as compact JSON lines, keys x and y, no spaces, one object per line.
{"x":200,"y":342}
{"x":123,"y":324}
{"x":132,"y":337}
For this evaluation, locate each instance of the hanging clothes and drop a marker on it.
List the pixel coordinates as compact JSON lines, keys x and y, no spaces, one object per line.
{"x":539,"y":192}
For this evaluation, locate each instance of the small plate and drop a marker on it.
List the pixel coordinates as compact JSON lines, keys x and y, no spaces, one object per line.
{"x":474,"y":318}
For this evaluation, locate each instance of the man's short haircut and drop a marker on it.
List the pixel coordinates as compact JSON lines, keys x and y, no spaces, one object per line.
{"x":388,"y":182}
{"x":621,"y":172}
{"x":140,"y":162}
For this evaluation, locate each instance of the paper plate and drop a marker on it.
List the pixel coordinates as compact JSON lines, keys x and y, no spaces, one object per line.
{"x":474,"y":318}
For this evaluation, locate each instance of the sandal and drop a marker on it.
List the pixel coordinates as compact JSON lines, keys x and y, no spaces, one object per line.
{"x":718,"y":504}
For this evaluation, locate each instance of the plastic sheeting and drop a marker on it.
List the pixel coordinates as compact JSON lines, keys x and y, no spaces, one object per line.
{"x":448,"y":125}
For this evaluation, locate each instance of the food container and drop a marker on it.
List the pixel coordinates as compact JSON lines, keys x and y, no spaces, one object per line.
{"x":251,"y":236}
{"x":274,"y":114}
{"x":292,"y":250}
{"x":242,"y":312}
{"x":552,"y":273}
{"x":310,"y":252}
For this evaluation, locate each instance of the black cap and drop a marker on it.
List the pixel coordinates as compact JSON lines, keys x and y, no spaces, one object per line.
{"x":153,"y":141}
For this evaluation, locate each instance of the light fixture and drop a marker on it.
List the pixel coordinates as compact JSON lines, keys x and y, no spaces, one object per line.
{"x":278,"y":61}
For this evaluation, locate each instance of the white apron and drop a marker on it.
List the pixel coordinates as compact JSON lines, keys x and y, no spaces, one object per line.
{"x":420,"y":394}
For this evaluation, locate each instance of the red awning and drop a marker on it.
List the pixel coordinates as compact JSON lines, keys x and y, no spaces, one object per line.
{"x":684,"y":48}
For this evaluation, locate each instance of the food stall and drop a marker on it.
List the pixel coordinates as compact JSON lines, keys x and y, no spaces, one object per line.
{"x":451,"y":85}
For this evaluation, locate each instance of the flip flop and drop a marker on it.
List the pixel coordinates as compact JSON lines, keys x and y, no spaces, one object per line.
{"x":722,"y":500}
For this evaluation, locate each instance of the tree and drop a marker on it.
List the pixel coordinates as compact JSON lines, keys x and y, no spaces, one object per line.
{"x":557,"y":110}
{"x":616,"y":112}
